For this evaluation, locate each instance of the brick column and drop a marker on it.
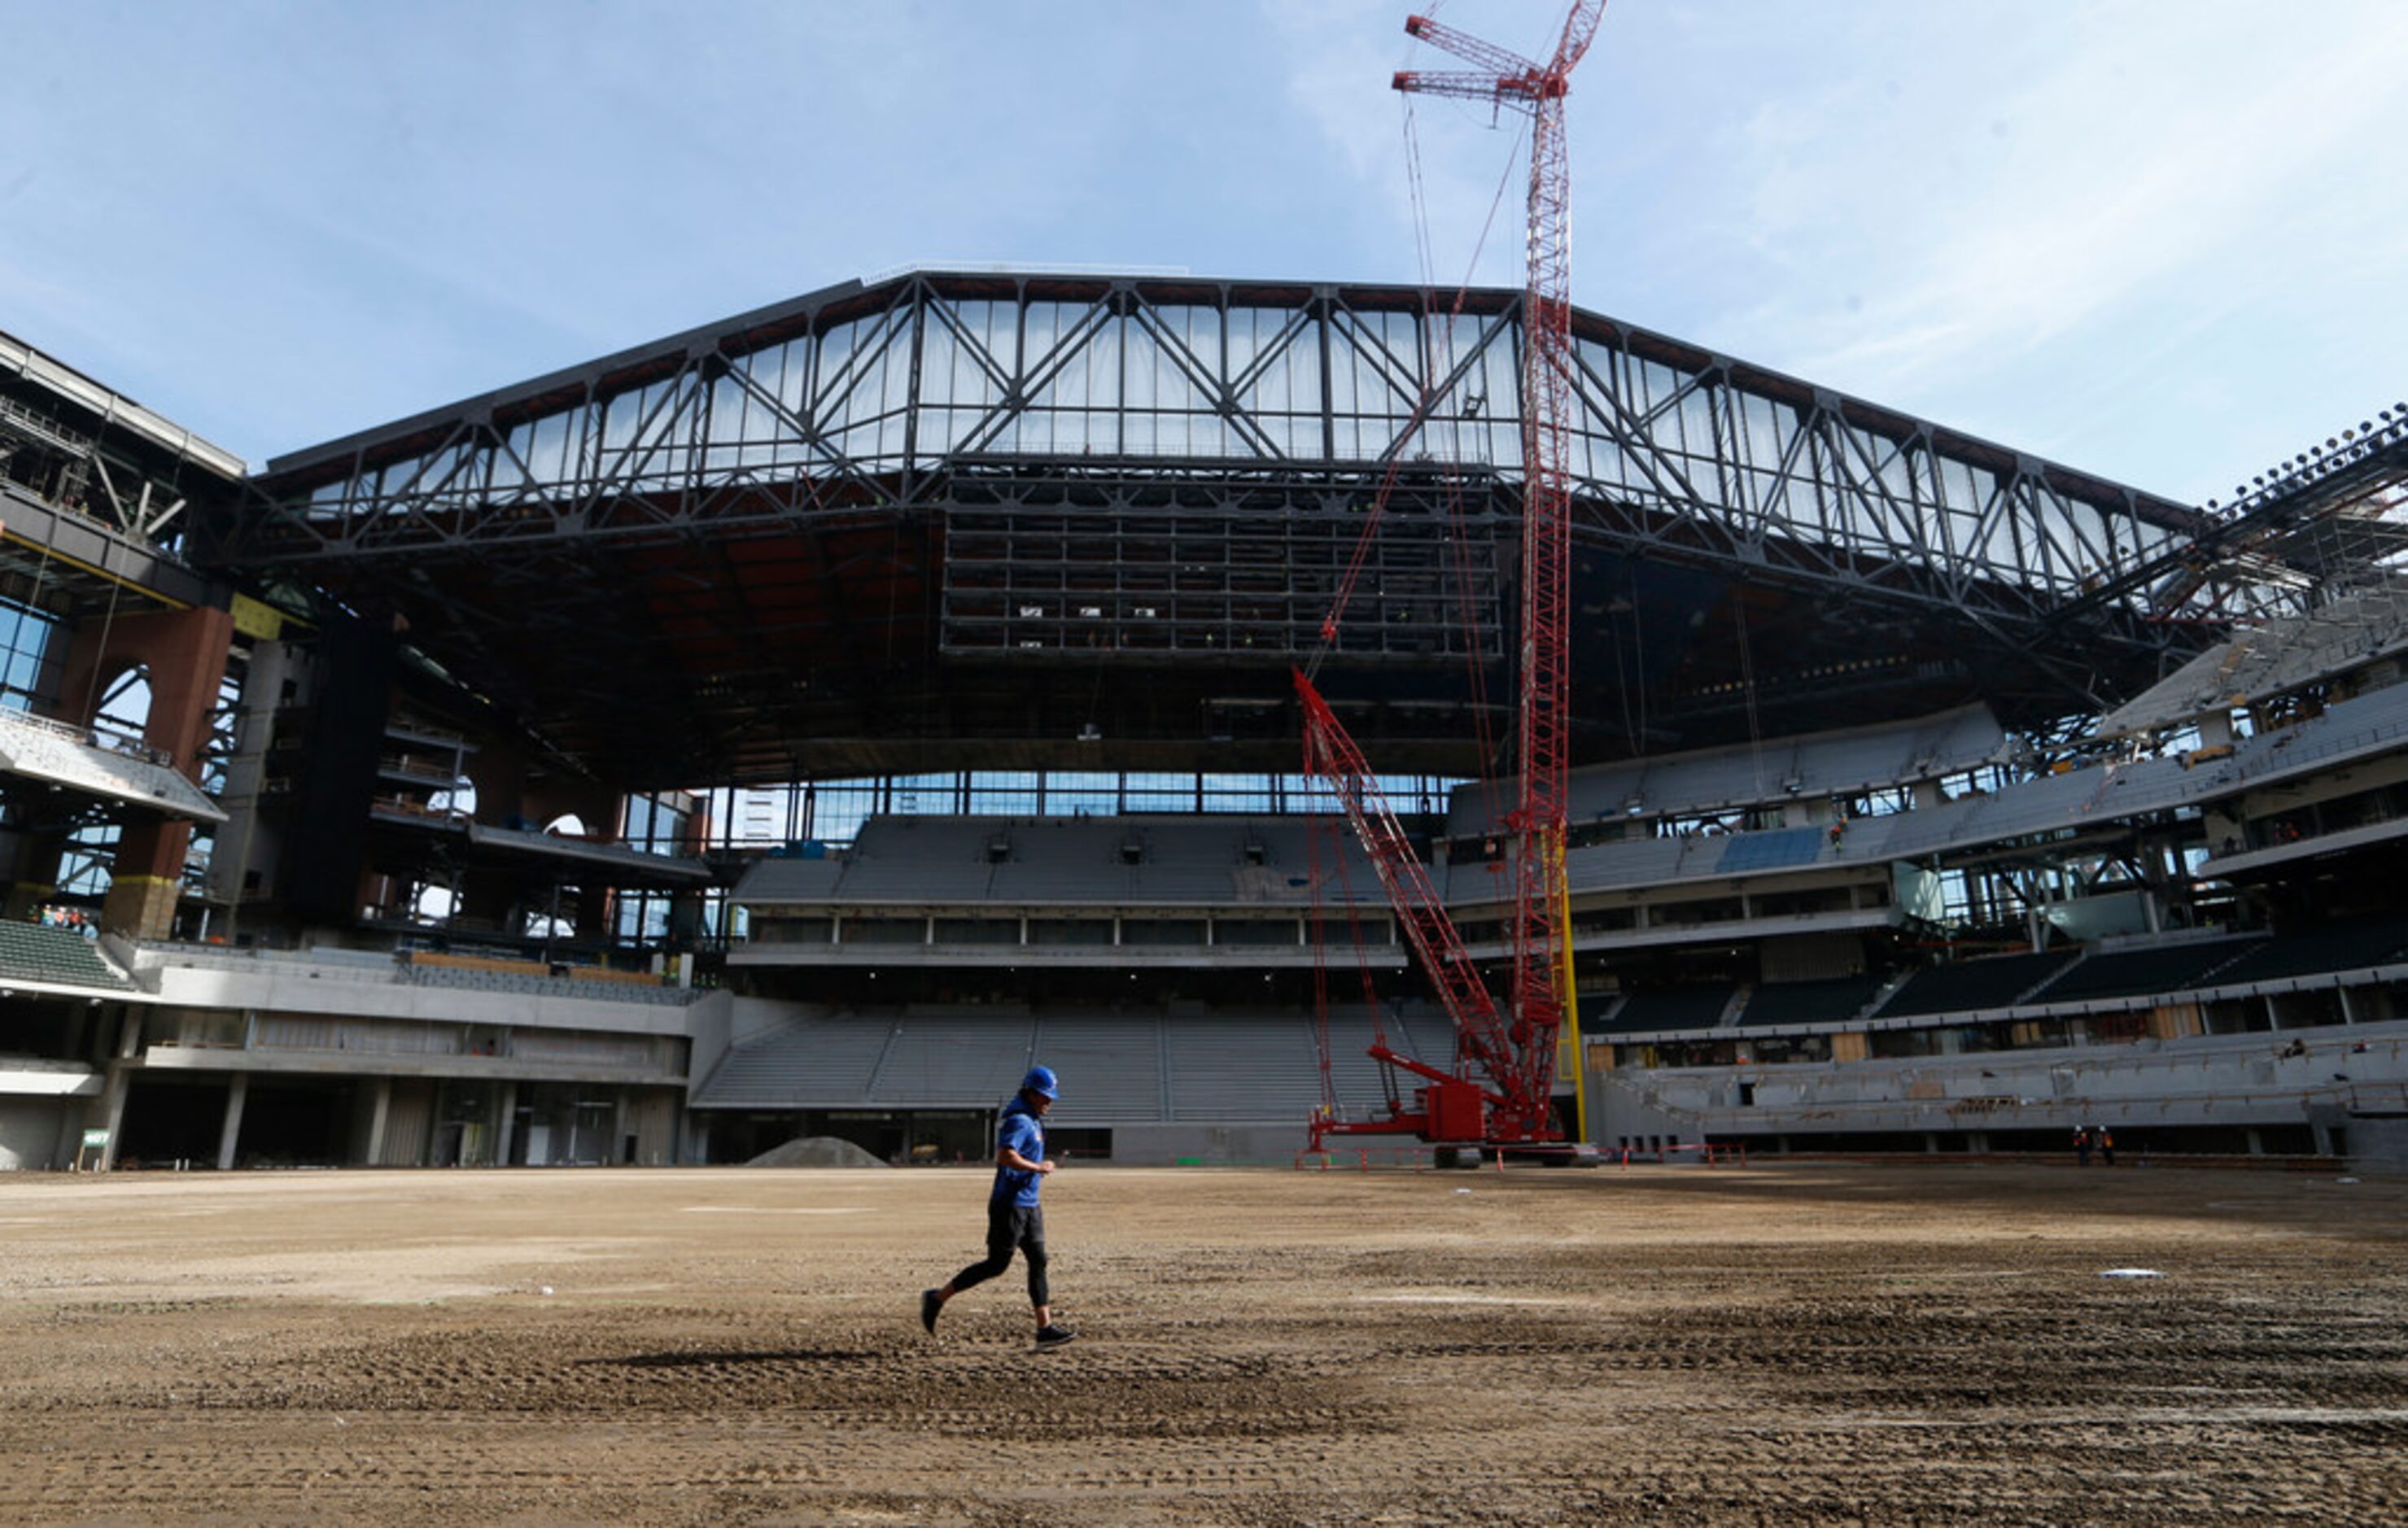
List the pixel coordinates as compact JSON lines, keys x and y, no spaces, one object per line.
{"x":184,"y":654}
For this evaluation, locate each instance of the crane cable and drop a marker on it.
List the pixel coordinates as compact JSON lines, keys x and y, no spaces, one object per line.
{"x":1413,"y":422}
{"x":1485,"y":741}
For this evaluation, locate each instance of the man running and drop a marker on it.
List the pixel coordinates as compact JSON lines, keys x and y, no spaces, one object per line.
{"x":1013,"y":1220}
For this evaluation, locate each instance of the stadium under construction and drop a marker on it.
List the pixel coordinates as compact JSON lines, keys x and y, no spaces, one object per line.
{"x":801,"y":724}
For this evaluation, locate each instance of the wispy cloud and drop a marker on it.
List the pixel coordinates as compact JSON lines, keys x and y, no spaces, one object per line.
{"x":2112,"y":182}
{"x":2045,"y":221}
{"x":2137,"y":234}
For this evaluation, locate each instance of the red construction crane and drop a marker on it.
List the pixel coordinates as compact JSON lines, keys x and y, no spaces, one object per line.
{"x":1515,"y":1052}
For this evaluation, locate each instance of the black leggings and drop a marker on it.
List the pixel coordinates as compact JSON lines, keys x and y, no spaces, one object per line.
{"x":1011,"y":1226}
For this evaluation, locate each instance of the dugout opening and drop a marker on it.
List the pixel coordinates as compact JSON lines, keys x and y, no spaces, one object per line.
{"x":170,"y":1118}
{"x":296,"y":1124}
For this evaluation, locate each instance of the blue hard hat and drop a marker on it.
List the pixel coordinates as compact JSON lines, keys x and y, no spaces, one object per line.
{"x":1040,"y":1081}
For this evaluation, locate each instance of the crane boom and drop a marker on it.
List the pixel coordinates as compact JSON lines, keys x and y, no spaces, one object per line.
{"x":1331,"y":755}
{"x":1485,"y":56}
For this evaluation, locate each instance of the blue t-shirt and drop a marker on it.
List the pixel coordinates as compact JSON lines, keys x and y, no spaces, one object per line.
{"x":1019,"y":1130}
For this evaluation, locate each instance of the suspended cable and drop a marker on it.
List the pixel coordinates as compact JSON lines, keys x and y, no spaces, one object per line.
{"x":1421,"y":411}
{"x":100,"y":655}
{"x":1747,"y":687}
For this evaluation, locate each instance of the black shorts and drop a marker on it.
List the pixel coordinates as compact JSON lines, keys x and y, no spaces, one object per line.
{"x":1011,"y":1227}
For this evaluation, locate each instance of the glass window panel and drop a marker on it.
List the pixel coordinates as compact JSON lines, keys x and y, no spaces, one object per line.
{"x":1344,"y":381}
{"x":1081,"y":793}
{"x":1697,"y":421}
{"x":545,"y":441}
{"x":895,"y":372}
{"x":1760,"y":438}
{"x":941,"y":363}
{"x":1003,"y":337}
{"x":619,"y":416}
{"x":1159,"y":792}
{"x":787,"y":371}
{"x":1251,"y":331}
{"x":836,"y":377}
{"x":920,"y":795}
{"x":1200,"y":328}
{"x":1004,"y":794}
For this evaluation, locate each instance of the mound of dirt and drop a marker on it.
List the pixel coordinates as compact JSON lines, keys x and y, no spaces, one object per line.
{"x":815,"y":1152}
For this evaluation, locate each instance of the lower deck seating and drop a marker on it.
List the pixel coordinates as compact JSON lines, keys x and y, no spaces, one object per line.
{"x":1251,"y":1068}
{"x":1111,"y":1067}
{"x":949,"y":1060}
{"x":1670,"y":1008}
{"x":1808,"y":1001}
{"x":30,"y":952}
{"x":1992,"y":981}
{"x":2134,"y":973}
{"x":2351,"y":945}
{"x":1115,"y":1068}
{"x":818,"y":1060}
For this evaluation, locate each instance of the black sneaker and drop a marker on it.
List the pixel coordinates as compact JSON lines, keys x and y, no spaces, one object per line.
{"x":1055,"y":1337}
{"x":929,"y":1305}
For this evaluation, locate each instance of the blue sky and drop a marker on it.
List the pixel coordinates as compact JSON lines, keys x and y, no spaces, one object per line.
{"x":2162,"y":240}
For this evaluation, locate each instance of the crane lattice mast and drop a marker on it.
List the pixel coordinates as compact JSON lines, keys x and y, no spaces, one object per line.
{"x":1518,"y":1052}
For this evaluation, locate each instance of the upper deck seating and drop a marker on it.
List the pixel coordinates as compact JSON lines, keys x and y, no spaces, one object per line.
{"x":535,"y":980}
{"x":1774,"y":850}
{"x":1640,"y":861}
{"x":1711,"y":780}
{"x":58,"y":754}
{"x":2371,"y":720}
{"x":1077,"y":861}
{"x":2281,"y":656}
{"x":778,"y":879}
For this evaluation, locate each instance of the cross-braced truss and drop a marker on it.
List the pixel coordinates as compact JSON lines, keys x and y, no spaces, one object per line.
{"x":1059,"y":469}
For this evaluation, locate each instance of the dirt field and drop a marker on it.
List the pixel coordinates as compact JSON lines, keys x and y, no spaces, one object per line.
{"x":1785,"y":1344}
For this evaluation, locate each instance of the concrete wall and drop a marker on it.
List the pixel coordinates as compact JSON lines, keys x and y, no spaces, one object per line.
{"x":1626,"y":1112}
{"x":2378,"y":1145}
{"x":713,"y":1025}
{"x":33,"y":1129}
{"x":408,"y":1123}
{"x":1217,"y":1145}
{"x":2250,"y":1079}
{"x":653,"y":1117}
{"x":337,"y":989}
